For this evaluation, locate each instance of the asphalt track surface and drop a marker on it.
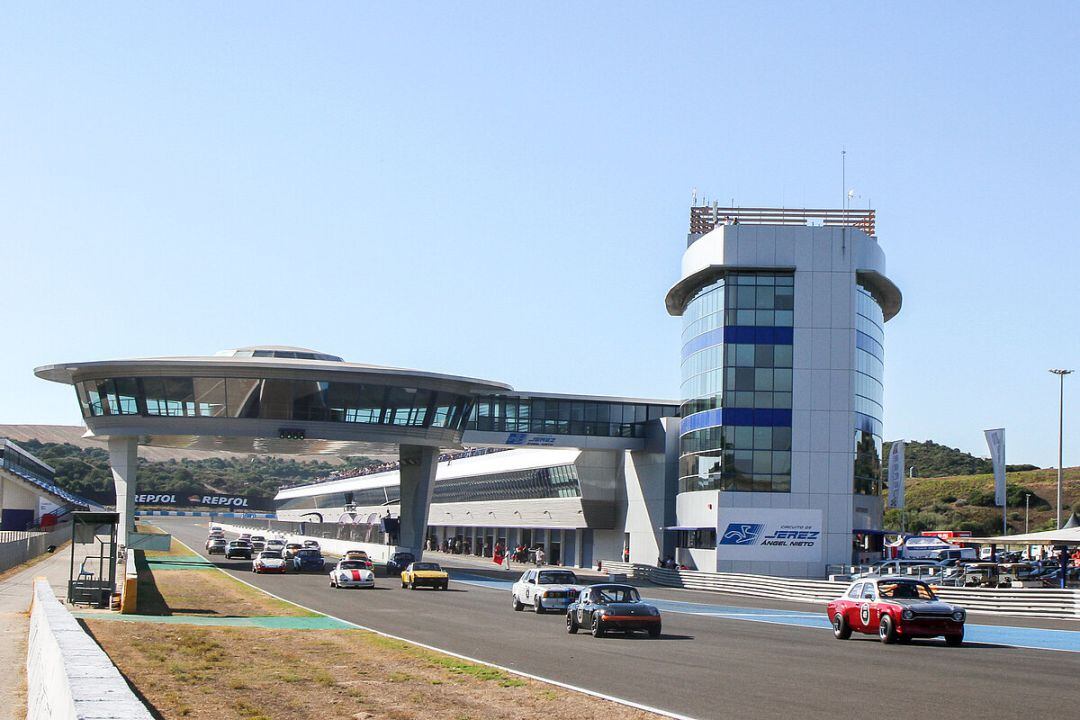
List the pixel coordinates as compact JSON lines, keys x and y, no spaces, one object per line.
{"x":716,"y":665}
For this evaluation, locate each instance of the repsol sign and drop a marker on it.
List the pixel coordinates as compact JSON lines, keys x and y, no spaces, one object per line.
{"x":208,"y":500}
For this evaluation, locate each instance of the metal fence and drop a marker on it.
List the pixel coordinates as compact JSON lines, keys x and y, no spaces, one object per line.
{"x":356,"y":532}
{"x":1030,"y":602}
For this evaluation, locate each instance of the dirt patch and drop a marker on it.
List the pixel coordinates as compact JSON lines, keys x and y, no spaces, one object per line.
{"x":248,"y":673}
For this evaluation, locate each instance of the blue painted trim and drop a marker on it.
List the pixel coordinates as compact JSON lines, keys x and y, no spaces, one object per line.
{"x":738,"y":417}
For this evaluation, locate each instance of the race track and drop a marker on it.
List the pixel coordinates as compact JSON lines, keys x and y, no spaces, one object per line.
{"x":718,"y":657}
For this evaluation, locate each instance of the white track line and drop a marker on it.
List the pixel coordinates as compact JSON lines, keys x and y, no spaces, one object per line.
{"x":459,"y":656}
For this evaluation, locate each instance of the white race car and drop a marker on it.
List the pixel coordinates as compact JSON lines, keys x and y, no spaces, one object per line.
{"x":544,"y":590}
{"x":268,"y":561}
{"x":352,"y":573}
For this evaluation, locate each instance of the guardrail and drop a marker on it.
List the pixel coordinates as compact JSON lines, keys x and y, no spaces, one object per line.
{"x":1027,"y":602}
{"x":68,"y":675}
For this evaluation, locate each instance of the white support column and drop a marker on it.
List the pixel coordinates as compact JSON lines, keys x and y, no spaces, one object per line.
{"x":124,"y":461}
{"x":418,"y":465}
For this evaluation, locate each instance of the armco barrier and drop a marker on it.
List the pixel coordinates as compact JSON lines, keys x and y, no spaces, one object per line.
{"x":68,"y":675}
{"x":1028,"y":602}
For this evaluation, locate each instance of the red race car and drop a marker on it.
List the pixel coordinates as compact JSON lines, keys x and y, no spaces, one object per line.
{"x":896,"y":609}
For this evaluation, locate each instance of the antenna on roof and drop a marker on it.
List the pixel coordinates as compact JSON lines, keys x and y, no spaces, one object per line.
{"x":693,"y":197}
{"x":843,"y":175}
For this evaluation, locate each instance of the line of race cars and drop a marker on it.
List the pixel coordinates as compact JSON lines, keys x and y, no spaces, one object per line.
{"x":896,"y":609}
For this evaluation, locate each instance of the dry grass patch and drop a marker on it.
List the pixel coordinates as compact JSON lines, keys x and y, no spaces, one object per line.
{"x":247,"y":673}
{"x":206,"y":593}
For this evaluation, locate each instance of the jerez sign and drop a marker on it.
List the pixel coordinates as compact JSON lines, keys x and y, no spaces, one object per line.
{"x":769,"y":534}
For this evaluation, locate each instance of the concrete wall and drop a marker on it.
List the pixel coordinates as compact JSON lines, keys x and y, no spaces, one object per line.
{"x":16,"y":552}
{"x":68,"y":675}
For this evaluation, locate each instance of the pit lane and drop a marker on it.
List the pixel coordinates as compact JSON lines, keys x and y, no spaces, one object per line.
{"x":708,"y":664}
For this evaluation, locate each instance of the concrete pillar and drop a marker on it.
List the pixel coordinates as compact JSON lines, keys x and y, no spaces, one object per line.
{"x":418,"y":465}
{"x":124,"y":460}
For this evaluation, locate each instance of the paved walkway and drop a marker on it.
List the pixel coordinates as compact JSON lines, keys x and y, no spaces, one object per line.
{"x":15,"y":592}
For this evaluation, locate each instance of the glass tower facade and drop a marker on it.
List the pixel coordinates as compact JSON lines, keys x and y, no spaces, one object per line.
{"x":869,"y":392}
{"x":735,"y":433}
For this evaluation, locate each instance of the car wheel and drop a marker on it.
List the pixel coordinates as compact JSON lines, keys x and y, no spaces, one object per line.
{"x":955,"y":640}
{"x":654,"y":632}
{"x":538,"y":607}
{"x":597,"y":630}
{"x":518,"y":606}
{"x":840,"y":628}
{"x":886,"y":631}
{"x":571,"y":624}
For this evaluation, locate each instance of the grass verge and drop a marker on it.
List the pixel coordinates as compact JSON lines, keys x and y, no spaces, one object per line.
{"x":251,"y":673}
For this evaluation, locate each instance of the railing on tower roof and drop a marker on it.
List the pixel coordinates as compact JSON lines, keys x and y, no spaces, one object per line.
{"x":704,"y":218}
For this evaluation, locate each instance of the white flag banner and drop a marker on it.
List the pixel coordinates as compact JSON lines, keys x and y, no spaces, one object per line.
{"x":995,"y":439}
{"x":896,"y":475}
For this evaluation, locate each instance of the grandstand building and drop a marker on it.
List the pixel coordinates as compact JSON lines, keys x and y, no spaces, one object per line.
{"x":29,"y":496}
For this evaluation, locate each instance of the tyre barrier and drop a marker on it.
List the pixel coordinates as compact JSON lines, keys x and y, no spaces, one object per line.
{"x":1026,"y":602}
{"x":68,"y":676}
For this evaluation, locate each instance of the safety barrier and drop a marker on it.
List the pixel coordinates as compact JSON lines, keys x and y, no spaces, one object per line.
{"x":1027,"y":602}
{"x":68,"y":675}
{"x":129,"y":591}
{"x":17,"y":548}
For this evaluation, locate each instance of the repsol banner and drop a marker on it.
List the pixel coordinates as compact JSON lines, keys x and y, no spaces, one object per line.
{"x":232,"y":502}
{"x":769,"y":534}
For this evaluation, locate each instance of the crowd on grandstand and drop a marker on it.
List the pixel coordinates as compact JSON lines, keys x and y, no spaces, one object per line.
{"x":346,"y":473}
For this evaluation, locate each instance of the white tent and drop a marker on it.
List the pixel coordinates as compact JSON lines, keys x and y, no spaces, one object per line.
{"x":1065,"y":536}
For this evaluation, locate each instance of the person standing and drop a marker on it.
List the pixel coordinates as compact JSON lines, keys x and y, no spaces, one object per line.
{"x":539,"y":555}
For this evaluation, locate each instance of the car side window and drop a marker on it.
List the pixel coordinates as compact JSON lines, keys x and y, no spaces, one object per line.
{"x":532,"y":577}
{"x":868,"y":591}
{"x":856,"y":591}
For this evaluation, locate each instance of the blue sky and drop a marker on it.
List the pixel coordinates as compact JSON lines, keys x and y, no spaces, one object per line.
{"x":502,"y":191}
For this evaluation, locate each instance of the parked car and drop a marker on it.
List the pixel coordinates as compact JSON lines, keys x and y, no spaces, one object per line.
{"x":308,"y":559}
{"x":291,"y":549}
{"x":268,"y":561}
{"x":611,"y":607}
{"x":238,"y":549}
{"x":544,"y":590}
{"x":895,"y":609}
{"x":216,"y":546}
{"x":425,"y":574}
{"x":398,"y":562}
{"x":896,"y":567}
{"x":352,"y":573}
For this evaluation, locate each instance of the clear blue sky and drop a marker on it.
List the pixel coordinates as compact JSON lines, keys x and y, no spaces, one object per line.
{"x":503,"y":191}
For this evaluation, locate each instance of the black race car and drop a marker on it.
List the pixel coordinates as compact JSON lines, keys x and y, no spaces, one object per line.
{"x":610,"y":607}
{"x":398,"y":562}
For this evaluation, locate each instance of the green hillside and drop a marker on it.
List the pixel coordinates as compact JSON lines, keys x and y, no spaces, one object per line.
{"x":966,"y":502}
{"x":85,"y":471}
{"x":933,"y":460}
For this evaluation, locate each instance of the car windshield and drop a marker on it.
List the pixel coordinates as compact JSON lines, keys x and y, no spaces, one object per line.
{"x":559,"y":577}
{"x":403,"y":558}
{"x":308,"y":553}
{"x":615,"y":595}
{"x":293,"y":546}
{"x":905,"y":591}
{"x":351,"y":565}
{"x":425,"y":566}
{"x":270,"y":554}
{"x":238,"y":543}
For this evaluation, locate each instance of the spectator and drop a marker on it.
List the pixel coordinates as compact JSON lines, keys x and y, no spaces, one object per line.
{"x":539,"y":555}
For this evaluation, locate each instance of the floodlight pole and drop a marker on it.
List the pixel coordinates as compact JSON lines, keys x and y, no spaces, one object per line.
{"x":1061,"y":426}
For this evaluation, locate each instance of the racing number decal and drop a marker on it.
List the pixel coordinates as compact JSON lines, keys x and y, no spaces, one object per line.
{"x":864,"y":613}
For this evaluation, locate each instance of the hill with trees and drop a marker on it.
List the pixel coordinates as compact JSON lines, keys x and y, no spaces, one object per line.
{"x":85,"y":471}
{"x":933,"y":460}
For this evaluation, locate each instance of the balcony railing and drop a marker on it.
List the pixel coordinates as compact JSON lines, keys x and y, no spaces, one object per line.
{"x":704,"y":218}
